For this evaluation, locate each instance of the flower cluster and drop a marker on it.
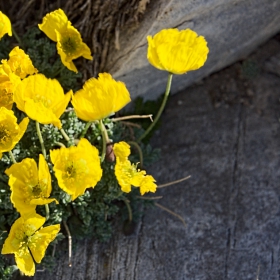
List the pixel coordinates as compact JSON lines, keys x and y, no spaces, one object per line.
{"x":128,"y":174}
{"x":78,"y":165}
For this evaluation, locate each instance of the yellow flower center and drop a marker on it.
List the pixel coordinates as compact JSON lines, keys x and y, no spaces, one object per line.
{"x":22,"y":239}
{"x":70,"y":43}
{"x":31,"y":191}
{"x":36,"y":191}
{"x":6,"y":97}
{"x":71,"y":171}
{"x":5,"y":134}
{"x":17,"y":70}
{"x":43,"y":99}
{"x":74,"y":171}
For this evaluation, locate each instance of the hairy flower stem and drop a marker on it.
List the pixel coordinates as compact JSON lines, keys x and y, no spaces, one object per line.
{"x":132,"y":117}
{"x":69,"y":244}
{"x":60,"y":144}
{"x":85,"y":129}
{"x":133,"y":143}
{"x":172,"y":213}
{"x":162,"y":106}
{"x":58,"y":72}
{"x":64,"y":134}
{"x":41,"y":140}
{"x":47,"y":211}
{"x":12,"y":157}
{"x":173,"y":182}
{"x":105,"y":139}
{"x":17,"y":37}
{"x":45,"y":156}
{"x":126,"y":202}
{"x":149,"y":197}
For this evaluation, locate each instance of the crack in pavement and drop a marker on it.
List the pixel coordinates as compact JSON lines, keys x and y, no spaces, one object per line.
{"x":234,"y":190}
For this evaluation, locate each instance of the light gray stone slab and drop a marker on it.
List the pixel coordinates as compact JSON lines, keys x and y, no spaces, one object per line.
{"x":233,"y":29}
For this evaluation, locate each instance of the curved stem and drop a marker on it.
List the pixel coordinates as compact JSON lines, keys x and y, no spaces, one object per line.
{"x":66,"y":137}
{"x":47,"y":211}
{"x":149,"y":197}
{"x":58,"y":72}
{"x":41,"y":140}
{"x":85,"y":129}
{"x":45,"y":156}
{"x":133,"y":117}
{"x":174,"y":182}
{"x":105,"y":139}
{"x":135,"y":144}
{"x":172,"y":213}
{"x":12,"y":157}
{"x":69,"y":243}
{"x":16,"y":36}
{"x":60,"y":144}
{"x":126,"y":202}
{"x":167,"y":91}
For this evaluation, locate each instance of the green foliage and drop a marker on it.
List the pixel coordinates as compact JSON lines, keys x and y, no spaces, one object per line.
{"x":5,"y":47}
{"x":6,"y":270}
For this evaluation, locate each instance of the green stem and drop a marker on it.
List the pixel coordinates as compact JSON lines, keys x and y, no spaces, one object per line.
{"x":41,"y":140}
{"x":85,"y":129}
{"x":167,"y":91}
{"x":60,"y":144}
{"x":12,"y":157}
{"x":128,"y":209}
{"x":64,"y":134}
{"x":135,"y":144}
{"x":17,"y":37}
{"x":69,"y":243}
{"x":47,"y":211}
{"x":105,"y":139}
{"x":57,"y":72}
{"x":45,"y":156}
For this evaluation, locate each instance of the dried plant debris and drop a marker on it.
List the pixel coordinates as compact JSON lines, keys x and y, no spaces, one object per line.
{"x":100,"y":22}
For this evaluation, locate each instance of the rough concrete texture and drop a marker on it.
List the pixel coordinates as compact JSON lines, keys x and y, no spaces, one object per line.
{"x":233,"y":28}
{"x":224,"y":133}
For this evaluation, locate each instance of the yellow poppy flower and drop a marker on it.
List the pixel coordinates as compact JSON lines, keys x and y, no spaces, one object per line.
{"x":127,"y":173}
{"x":148,"y":185}
{"x":8,"y":82}
{"x":177,"y":51}
{"x":76,"y":168}
{"x":30,"y":187}
{"x":6,"y":94}
{"x":70,"y":46}
{"x":5,"y":25}
{"x":19,"y":63}
{"x":42,"y":99}
{"x":10,"y":131}
{"x":28,"y":241}
{"x":56,"y":20}
{"x":69,"y":41}
{"x":100,"y":97}
{"x":122,"y":150}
